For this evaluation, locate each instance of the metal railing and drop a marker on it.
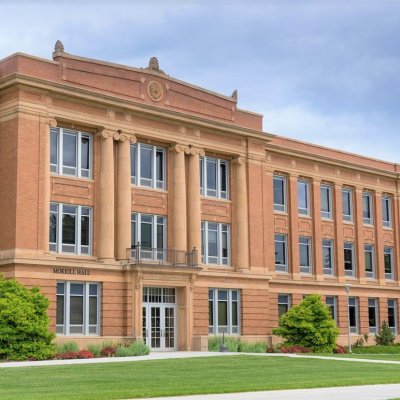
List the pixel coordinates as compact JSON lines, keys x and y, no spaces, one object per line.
{"x":153,"y":256}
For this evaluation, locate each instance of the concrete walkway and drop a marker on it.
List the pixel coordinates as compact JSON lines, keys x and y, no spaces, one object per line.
{"x":179,"y":354}
{"x":371,"y":392}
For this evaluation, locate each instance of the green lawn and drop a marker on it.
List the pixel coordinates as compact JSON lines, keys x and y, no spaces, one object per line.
{"x":186,"y":376}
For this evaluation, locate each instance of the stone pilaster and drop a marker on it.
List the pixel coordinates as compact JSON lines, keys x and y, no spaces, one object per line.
{"x":50,"y":123}
{"x":105,"y":248}
{"x":178,"y":220}
{"x":241,"y":214}
{"x":123,"y":212}
{"x":193,"y":201}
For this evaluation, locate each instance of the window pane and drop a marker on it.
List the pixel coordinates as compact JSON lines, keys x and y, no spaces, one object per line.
{"x":146,"y":235}
{"x":325,"y":203}
{"x":282,"y":309}
{"x":68,"y":229}
{"x":224,"y":244}
{"x":280,"y":250}
{"x":223,"y":176}
{"x":353,"y":316}
{"x":85,"y":228}
{"x":133,"y":160}
{"x":346,"y":202}
{"x":160,"y":236}
{"x":210,"y":313}
{"x":145,"y":162}
{"x":54,"y":147}
{"x":53,"y":228}
{"x":234,"y":313}
{"x":348,"y":259}
{"x":159,"y":165}
{"x":279,"y":191}
{"x":212,"y":243}
{"x":60,"y":310}
{"x":76,"y":310}
{"x":222,"y":313}
{"x":302,"y":197}
{"x":92,"y":310}
{"x":304,"y":253}
{"x":69,"y":150}
{"x":211,"y":174}
{"x":85,"y":152}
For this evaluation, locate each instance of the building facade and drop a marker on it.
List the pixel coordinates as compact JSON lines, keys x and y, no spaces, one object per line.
{"x":146,"y":207}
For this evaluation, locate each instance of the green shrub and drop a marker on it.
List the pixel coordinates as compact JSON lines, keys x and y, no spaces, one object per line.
{"x":67,"y":347}
{"x":24,"y":323}
{"x":385,"y":336}
{"x":137,"y":348}
{"x":95,"y":349}
{"x":310,"y":325}
{"x":215,"y":342}
{"x":257,"y":347}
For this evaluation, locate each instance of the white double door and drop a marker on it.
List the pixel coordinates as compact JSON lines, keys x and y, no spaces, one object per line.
{"x":159,"y":326}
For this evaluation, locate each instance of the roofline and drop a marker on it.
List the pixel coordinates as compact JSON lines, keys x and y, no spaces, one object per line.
{"x":29,"y":56}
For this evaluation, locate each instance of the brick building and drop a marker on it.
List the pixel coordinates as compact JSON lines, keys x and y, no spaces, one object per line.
{"x":143,"y":206}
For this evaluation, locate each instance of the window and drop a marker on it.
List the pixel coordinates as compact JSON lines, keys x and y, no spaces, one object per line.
{"x":349,"y":261}
{"x":70,"y":152}
{"x":214,"y":177}
{"x":78,"y":308}
{"x":347,"y":205}
{"x":305,"y":254}
{"x":281,"y":253}
{"x":369,"y":261}
{"x":388,"y":257}
{"x":303,"y":197}
{"x":149,"y":231}
{"x":148,"y":166}
{"x":327,"y":256}
{"x":367,"y":208}
{"x":386,"y":212}
{"x":224,"y":311}
{"x":353,"y":314}
{"x":215,"y":243}
{"x":392,"y":315}
{"x":326,"y":201}
{"x":279,"y":193}
{"x":283,"y":304}
{"x":373,"y":315}
{"x":331,"y":302}
{"x":70,"y":229}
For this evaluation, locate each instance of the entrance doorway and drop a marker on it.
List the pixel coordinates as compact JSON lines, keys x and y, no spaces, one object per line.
{"x":159,"y":318}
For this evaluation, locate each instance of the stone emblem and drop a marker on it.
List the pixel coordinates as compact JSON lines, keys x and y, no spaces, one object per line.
{"x":155,"y":91}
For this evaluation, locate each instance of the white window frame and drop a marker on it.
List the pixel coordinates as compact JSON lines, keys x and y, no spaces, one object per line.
{"x":58,"y":168}
{"x":223,"y":261}
{"x":301,"y":210}
{"x":392,"y":303}
{"x":284,"y":299}
{"x":277,"y":206}
{"x":387,"y":250}
{"x":387,"y":223}
{"x":373,"y":303}
{"x":326,"y":214}
{"x":65,"y":328}
{"x":368,"y":220}
{"x":328,"y":244}
{"x":353,"y":302}
{"x":278,"y":238}
{"x":349,"y":196}
{"x":331,"y":301}
{"x":306,"y":269}
{"x":349,"y":246}
{"x":57,"y":246}
{"x":204,"y":190}
{"x":229,"y":329}
{"x":153,"y":182}
{"x":369,"y":248}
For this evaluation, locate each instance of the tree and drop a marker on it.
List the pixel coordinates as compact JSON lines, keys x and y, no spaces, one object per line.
{"x":385,"y":336}
{"x":310,"y":325}
{"x":24,"y":323}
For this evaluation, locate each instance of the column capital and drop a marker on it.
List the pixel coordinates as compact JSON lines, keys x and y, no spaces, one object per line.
{"x":239,"y":160}
{"x":106,"y":133}
{"x":178,"y":147}
{"x":125,"y":136}
{"x":197,"y":150}
{"x":52,"y":122}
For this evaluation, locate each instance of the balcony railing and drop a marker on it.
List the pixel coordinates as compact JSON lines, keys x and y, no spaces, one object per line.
{"x":152,"y":256}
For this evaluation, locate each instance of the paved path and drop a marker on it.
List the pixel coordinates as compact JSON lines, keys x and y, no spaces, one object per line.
{"x":371,"y":392}
{"x":179,"y":354}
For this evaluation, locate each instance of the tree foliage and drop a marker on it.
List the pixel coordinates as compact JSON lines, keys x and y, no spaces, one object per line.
{"x":24,"y":323}
{"x":309,"y":324}
{"x":385,"y":336}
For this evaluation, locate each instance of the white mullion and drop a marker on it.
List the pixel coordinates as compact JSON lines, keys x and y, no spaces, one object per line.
{"x":154,"y":232}
{"x":153,"y":165}
{"x":218,"y":180}
{"x":138,"y":228}
{"x":79,"y":229}
{"x":229,"y":311}
{"x":98,"y":309}
{"x":85,"y":308}
{"x":59,"y":227}
{"x":90,"y":229}
{"x":219,"y":243}
{"x":164,"y":169}
{"x":67,"y":295}
{"x":206,"y":241}
{"x":79,"y":154}
{"x":91,"y":166}
{"x":215,"y":306}
{"x":138,"y":169}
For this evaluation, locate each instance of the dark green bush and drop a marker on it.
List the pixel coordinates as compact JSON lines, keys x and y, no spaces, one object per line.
{"x":310,"y":325}
{"x":24,"y":323}
{"x":385,"y":336}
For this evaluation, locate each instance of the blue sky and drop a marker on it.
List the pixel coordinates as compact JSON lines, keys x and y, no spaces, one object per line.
{"x":326,"y":72}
